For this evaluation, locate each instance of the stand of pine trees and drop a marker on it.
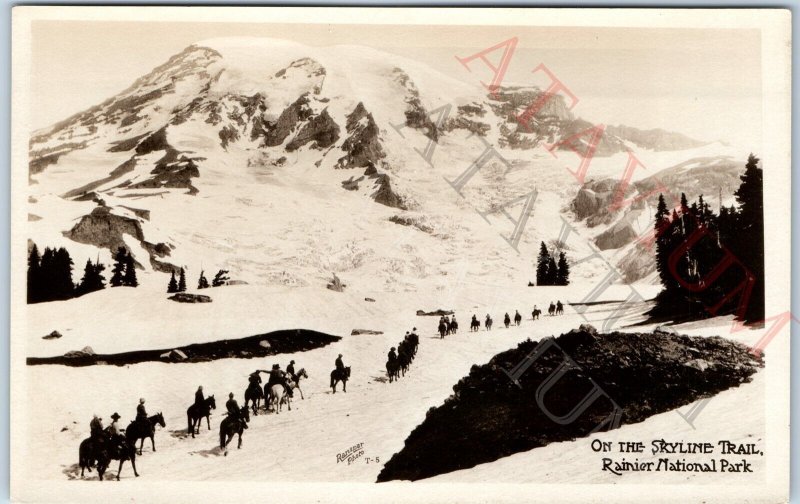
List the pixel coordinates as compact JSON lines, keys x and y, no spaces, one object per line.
{"x":692,"y":241}
{"x":124,"y":269}
{"x":50,"y":276}
{"x":550,"y":272}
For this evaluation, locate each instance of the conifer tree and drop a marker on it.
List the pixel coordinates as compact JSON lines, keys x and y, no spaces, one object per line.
{"x":130,"y":272}
{"x":202,"y":283}
{"x":92,"y":280}
{"x":173,"y":284}
{"x":552,"y":272}
{"x":62,"y":286}
{"x":562,"y":278}
{"x":118,"y":270}
{"x":34,"y":275}
{"x":220,"y":278}
{"x":542,"y":262}
{"x":182,"y":281}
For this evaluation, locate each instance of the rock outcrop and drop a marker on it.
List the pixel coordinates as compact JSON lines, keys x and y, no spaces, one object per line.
{"x":362,"y":146}
{"x":322,"y":130}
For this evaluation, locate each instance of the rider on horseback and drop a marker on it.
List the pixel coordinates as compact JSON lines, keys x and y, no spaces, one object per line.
{"x":96,"y":427}
{"x":339,"y":363}
{"x":113,"y":431}
{"x":276,"y":376}
{"x":199,"y":399}
{"x":392,"y":356}
{"x":233,"y":409}
{"x":290,"y":371}
{"x":141,"y":413}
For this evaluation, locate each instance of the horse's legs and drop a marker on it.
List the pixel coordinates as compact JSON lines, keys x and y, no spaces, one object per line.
{"x":344,"y":385}
{"x":240,"y":440}
{"x":141,"y":446}
{"x":153,"y":441}
{"x":208,"y":421}
{"x":133,"y":463}
{"x":121,"y":461}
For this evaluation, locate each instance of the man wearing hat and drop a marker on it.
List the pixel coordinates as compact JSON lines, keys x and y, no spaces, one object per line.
{"x":392,"y":355}
{"x":278,"y":377}
{"x":339,"y":363}
{"x":290,"y":371}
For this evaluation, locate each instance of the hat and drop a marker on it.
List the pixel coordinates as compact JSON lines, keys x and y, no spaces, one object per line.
{"x":415,"y":329}
{"x":340,"y":355}
{"x":200,"y":387}
{"x":141,"y":400}
{"x":115,"y":416}
{"x":292,"y":362}
{"x":230,"y":395}
{"x":392,"y":348}
{"x":276,"y":366}
{"x":406,"y":332}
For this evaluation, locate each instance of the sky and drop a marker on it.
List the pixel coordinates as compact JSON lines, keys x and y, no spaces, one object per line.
{"x":703,"y":83}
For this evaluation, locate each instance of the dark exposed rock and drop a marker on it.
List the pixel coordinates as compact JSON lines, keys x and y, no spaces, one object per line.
{"x":405,"y":220}
{"x":127,"y":144}
{"x":260,"y":345}
{"x":489,"y":416}
{"x":174,"y":170}
{"x":356,"y":332}
{"x":227,"y":135}
{"x":385,"y":195}
{"x":185,"y":297}
{"x":52,"y":335}
{"x":336,"y":284}
{"x":278,"y":131}
{"x":351,"y":184}
{"x":321,"y":129}
{"x":362,"y":147}
{"x":33,"y":217}
{"x":616,"y":236}
{"x":435,"y":313}
{"x":655,"y":139}
{"x":155,"y":142}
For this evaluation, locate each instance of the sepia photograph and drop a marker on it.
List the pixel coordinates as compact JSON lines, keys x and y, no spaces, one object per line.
{"x":430,"y":255}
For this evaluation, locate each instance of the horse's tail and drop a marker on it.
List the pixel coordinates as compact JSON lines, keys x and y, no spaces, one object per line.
{"x":189,"y":422}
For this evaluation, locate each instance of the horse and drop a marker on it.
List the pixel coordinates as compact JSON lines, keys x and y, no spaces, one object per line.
{"x":295,"y":382}
{"x":454,"y":326}
{"x":141,"y":430}
{"x":277,"y":395}
{"x":253,"y":394}
{"x":517,"y":319}
{"x":196,"y":412}
{"x":552,"y":310}
{"x":442,"y":329}
{"x":559,"y":308}
{"x":340,"y":375}
{"x":90,"y":450}
{"x":230,"y":426}
{"x":393,"y":370}
{"x":475,"y":325}
{"x":507,"y":320}
{"x":488,"y":323}
{"x":403,"y":360}
{"x":535,"y":313}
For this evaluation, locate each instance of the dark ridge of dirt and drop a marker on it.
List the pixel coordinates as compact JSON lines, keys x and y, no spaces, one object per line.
{"x":117,"y":172}
{"x":261,"y":345}
{"x":436,"y":313}
{"x":639,"y":375}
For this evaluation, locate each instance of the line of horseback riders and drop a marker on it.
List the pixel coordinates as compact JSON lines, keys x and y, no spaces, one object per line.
{"x":114,"y":443}
{"x":399,"y":362}
{"x":556,"y":308}
{"x":279,"y":389}
{"x":447,"y":326}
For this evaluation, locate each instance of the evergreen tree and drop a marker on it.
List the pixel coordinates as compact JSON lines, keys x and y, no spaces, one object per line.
{"x":34,"y":275}
{"x":118,"y":270}
{"x":130,"y":272}
{"x":173,"y":284}
{"x":563,"y":270}
{"x":541,"y":265}
{"x":182,"y":281}
{"x":62,"y":286}
{"x":552,"y":272}
{"x":92,"y":280}
{"x":663,"y":230}
{"x":220,"y":278}
{"x":202,"y":283}
{"x":748,"y":244}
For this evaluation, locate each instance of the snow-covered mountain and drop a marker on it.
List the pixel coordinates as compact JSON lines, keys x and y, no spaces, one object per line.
{"x":284,"y":163}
